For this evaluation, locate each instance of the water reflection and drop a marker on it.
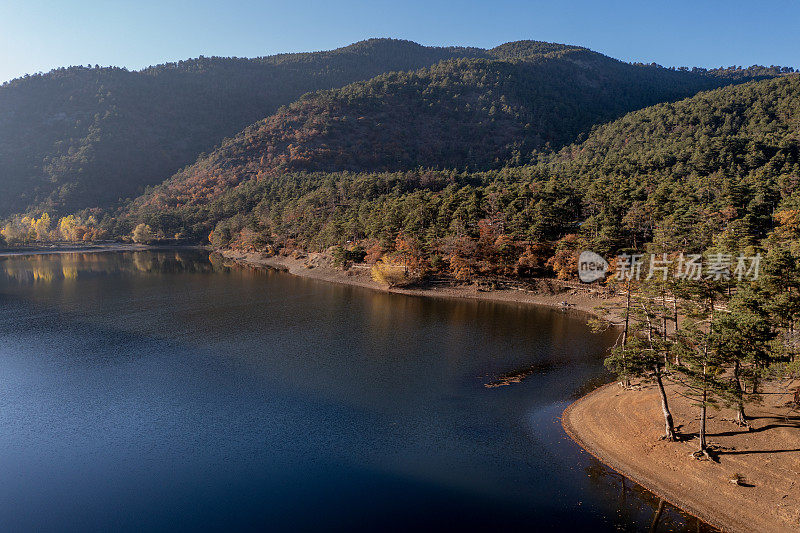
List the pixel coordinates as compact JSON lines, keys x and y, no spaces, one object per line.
{"x":637,"y":505}
{"x":170,"y":389}
{"x":46,"y":268}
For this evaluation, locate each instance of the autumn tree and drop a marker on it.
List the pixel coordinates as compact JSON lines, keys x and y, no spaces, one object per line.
{"x":41,"y":227}
{"x":565,"y":259}
{"x":410,"y":254}
{"x":68,"y":228}
{"x":142,"y":234}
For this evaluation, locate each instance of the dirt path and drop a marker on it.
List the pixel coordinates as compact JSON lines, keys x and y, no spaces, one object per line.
{"x":622,"y":428}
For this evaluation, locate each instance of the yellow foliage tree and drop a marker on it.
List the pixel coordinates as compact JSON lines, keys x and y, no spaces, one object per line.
{"x":391,"y":272}
{"x":41,"y":227}
{"x":142,"y":234}
{"x":18,"y":230}
{"x":67,"y":227}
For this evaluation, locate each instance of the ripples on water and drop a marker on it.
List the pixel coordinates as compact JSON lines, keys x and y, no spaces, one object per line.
{"x":165,"y":390}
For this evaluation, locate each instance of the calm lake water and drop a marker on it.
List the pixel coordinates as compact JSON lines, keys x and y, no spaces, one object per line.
{"x":163,"y":390}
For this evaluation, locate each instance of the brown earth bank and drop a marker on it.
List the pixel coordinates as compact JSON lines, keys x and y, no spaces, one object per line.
{"x":569,"y":297}
{"x":622,"y":428}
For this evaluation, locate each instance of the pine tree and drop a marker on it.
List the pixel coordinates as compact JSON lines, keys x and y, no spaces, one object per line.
{"x":702,"y":368}
{"x":644,"y":346}
{"x":742,"y":338}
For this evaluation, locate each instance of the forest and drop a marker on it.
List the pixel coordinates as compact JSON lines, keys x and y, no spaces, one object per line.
{"x":717,"y":169}
{"x":87,"y":136}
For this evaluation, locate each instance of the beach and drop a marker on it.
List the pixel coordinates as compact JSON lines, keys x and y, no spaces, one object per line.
{"x":622,"y":427}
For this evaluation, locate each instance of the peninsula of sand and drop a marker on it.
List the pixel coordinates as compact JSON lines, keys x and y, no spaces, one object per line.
{"x":621,"y":428}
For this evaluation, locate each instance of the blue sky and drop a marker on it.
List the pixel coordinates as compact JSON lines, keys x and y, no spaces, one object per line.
{"x":38,"y":35}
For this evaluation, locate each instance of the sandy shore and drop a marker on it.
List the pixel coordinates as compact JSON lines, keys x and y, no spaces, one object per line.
{"x":583,"y":300}
{"x":622,"y":428}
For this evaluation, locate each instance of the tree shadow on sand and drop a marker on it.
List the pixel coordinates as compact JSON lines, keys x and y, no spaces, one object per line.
{"x":777,"y":422}
{"x":773,"y":422}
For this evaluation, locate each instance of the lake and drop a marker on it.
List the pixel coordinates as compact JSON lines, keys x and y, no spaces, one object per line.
{"x":164,"y":390}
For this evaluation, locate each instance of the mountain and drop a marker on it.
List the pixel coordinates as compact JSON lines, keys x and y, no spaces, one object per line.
{"x":713,"y":169}
{"x":733,"y":131}
{"x":683,"y":172}
{"x":467,"y":113}
{"x":83,"y":137}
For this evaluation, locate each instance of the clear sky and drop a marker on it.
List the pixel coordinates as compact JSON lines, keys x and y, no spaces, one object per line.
{"x":37,"y":35}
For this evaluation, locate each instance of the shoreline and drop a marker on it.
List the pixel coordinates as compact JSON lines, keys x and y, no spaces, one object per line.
{"x":722,"y":505}
{"x":577,"y":300}
{"x":624,"y":440}
{"x":621,"y":429}
{"x":84,"y":249}
{"x":596,"y":452}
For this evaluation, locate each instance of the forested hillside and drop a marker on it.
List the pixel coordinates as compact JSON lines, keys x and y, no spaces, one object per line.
{"x":466,"y":114}
{"x":719,"y":169}
{"x":723,"y":160}
{"x":84,"y":137}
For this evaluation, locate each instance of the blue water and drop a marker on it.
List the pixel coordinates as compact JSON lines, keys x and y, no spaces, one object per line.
{"x":165,"y":391}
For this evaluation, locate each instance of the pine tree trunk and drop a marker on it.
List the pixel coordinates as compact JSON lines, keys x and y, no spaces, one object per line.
{"x":669,"y":425}
{"x":703,"y":443}
{"x":675,"y":310}
{"x":664,"y":324}
{"x":741,"y":417}
{"x":675,"y":318}
{"x":626,"y":382}
{"x":704,"y":406}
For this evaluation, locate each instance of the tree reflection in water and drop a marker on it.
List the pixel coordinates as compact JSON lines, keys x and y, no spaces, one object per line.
{"x":644,"y":505}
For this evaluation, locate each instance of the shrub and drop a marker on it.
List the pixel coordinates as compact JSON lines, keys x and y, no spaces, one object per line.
{"x":142,"y":234}
{"x":391,"y":274}
{"x":343,"y":256}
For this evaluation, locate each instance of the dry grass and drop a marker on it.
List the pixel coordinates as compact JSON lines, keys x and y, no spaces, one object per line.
{"x":389,"y":274}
